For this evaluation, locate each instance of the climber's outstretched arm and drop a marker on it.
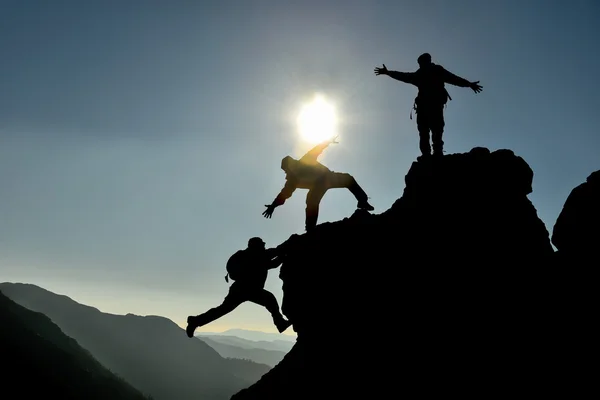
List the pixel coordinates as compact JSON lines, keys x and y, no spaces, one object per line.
{"x":456,"y":80}
{"x":313,"y":154}
{"x":406,"y":77}
{"x":286,"y":193}
{"x":288,"y":189}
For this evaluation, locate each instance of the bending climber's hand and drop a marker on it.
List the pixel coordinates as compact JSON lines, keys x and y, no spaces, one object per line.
{"x":476,"y":87}
{"x":381,"y":71}
{"x":269,"y":211}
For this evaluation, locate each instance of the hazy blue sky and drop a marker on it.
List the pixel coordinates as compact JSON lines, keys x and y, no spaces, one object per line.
{"x":140,"y":140}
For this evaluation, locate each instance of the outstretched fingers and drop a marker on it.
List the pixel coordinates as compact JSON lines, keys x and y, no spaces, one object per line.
{"x":268,"y":212}
{"x":380,"y":71}
{"x":476,"y":86}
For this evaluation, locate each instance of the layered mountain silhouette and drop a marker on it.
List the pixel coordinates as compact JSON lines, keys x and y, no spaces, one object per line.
{"x":257,"y":337}
{"x":40,"y":361}
{"x":237,"y":348}
{"x":279,"y":345}
{"x":460,"y":271}
{"x":151,"y":353}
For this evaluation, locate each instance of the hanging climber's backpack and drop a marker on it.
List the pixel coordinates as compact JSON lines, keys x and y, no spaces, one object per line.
{"x":235,"y":265}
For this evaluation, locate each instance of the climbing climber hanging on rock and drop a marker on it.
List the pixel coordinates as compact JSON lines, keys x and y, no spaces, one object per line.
{"x":431,"y":99}
{"x":249,"y":269}
{"x":308,"y":173}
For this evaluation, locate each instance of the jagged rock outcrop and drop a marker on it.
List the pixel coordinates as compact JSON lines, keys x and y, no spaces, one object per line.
{"x":447,"y":292}
{"x":576,"y":233}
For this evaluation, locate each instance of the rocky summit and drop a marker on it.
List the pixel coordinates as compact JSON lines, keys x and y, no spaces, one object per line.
{"x":450,"y":291}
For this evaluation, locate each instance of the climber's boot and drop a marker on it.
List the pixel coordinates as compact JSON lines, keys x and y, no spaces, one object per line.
{"x":282,"y":325}
{"x":191,"y":326}
{"x":364,"y":205}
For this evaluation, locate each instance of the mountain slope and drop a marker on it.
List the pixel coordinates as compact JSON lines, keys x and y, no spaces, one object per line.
{"x":152,"y":353}
{"x":35,"y":350}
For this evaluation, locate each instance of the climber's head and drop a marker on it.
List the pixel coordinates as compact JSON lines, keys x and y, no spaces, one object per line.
{"x":286,"y":163}
{"x":256,"y":243}
{"x":424,"y":59}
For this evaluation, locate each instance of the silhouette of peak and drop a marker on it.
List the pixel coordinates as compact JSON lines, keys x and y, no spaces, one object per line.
{"x":453,"y":270}
{"x":576,"y":233}
{"x":478,"y":170}
{"x":594,"y":177}
{"x":36,"y":293}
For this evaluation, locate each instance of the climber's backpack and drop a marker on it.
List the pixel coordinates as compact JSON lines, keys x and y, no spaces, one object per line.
{"x":235,"y":265}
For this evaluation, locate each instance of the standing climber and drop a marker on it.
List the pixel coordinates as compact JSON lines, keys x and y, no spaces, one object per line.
{"x":249,"y":269}
{"x":308,"y":173}
{"x":431,"y":98}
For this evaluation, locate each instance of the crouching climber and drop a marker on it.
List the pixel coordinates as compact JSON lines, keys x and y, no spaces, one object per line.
{"x":308,"y":173}
{"x":249,"y":269}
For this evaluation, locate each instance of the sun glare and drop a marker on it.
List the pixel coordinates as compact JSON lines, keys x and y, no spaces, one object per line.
{"x":317,"y":120}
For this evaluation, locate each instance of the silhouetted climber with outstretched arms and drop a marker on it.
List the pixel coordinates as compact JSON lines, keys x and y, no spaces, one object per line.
{"x":249,"y":269}
{"x":308,"y":173}
{"x":431,"y":98}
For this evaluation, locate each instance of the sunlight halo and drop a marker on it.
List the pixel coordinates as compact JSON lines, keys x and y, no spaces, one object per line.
{"x":317,"y":120}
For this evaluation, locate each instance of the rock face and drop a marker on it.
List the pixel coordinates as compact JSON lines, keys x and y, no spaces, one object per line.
{"x":576,"y":233}
{"x":444,"y":293}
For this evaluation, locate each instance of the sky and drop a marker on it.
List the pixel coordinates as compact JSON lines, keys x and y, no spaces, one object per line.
{"x":141,"y":140}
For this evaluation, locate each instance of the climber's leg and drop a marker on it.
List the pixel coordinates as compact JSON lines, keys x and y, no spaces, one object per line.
{"x":313,"y":199}
{"x":423,"y":124}
{"x":234,"y":298}
{"x":437,"y":130}
{"x":337,"y":180}
{"x":266,"y":299}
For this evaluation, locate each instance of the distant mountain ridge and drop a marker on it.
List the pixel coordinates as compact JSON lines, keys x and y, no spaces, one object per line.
{"x":252,"y":335}
{"x":35,"y":350}
{"x":258,"y":355}
{"x":150,"y":352}
{"x":277,"y":345}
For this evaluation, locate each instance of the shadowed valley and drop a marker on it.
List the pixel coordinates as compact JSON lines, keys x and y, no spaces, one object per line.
{"x":151,"y":353}
{"x":43,"y":362}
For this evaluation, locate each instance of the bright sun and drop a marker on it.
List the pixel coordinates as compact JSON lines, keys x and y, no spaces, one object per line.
{"x":317,"y":120}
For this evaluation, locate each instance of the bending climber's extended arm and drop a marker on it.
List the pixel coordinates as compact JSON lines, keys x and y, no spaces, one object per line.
{"x":314,"y":153}
{"x":286,"y":193}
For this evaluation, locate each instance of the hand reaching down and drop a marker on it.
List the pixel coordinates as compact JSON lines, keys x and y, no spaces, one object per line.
{"x":269,"y":211}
